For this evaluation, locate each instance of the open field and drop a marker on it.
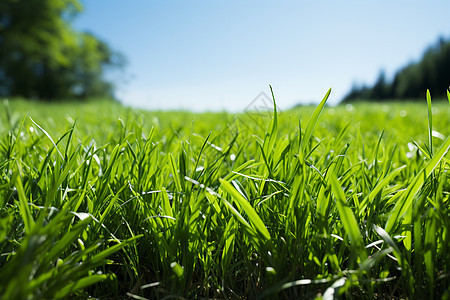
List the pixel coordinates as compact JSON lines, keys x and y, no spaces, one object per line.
{"x":101,"y":200}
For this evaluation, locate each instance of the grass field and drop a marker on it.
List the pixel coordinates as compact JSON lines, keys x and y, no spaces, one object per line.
{"x":101,"y":200}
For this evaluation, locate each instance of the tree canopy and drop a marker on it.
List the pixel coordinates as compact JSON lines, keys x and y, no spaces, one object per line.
{"x":43,"y":57}
{"x":432,"y":72}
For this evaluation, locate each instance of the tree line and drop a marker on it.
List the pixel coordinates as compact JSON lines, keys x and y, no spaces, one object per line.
{"x":43,"y":57}
{"x":432,"y":72}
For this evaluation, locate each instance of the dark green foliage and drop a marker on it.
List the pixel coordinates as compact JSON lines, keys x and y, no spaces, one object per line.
{"x":42,"y":57}
{"x":411,"y":82}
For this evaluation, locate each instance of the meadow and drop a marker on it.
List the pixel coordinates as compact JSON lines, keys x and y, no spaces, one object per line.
{"x":100,"y":200}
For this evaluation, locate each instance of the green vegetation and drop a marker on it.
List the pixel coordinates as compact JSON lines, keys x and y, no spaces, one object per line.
{"x":105,"y":201}
{"x":43,"y":57}
{"x":432,"y":72}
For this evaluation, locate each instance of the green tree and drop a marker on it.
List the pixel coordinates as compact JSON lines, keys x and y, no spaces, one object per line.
{"x":432,"y":73}
{"x":380,"y":89}
{"x":42,"y":56}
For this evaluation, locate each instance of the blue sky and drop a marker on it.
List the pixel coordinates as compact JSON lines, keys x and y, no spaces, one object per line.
{"x":219,"y":55}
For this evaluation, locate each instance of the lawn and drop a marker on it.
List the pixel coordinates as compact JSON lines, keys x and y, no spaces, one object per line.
{"x":101,"y":200}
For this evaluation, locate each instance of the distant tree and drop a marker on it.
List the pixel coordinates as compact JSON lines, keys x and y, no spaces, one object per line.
{"x":411,"y":82}
{"x":380,"y":90}
{"x":356,"y":93}
{"x":42,"y":56}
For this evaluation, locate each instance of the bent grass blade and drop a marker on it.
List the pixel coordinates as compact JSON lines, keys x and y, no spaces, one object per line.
{"x":248,"y":209}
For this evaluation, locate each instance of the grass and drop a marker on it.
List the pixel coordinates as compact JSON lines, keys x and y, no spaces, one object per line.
{"x":104,"y":201}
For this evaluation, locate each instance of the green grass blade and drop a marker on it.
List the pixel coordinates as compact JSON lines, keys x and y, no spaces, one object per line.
{"x":98,"y":258}
{"x":67,"y":239}
{"x":404,"y":203}
{"x":348,"y":218}
{"x":111,"y":203}
{"x":175,"y":175}
{"x":387,"y":238}
{"x":24,"y":208}
{"x":402,"y":261}
{"x":80,"y":284}
{"x":167,"y":209}
{"x":430,"y":123}
{"x":383,"y":183}
{"x":271,"y":134}
{"x":251,"y":213}
{"x":323,"y":202}
{"x":177,"y":269}
{"x":430,"y":246}
{"x":312,"y":123}
{"x":247,"y":165}
{"x":228,"y":249}
{"x":49,"y":137}
{"x":240,"y":218}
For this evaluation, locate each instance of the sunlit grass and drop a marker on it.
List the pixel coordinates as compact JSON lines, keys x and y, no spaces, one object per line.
{"x":105,"y":201}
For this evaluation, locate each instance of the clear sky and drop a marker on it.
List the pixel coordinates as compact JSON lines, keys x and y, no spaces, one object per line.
{"x":220,"y":54}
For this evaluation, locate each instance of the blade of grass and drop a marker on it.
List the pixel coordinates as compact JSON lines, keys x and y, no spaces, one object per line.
{"x":67,"y":239}
{"x":80,"y":284}
{"x":348,"y":218}
{"x":312,"y":123}
{"x":323,"y":202}
{"x":430,"y":124}
{"x":167,"y":209}
{"x":98,"y":258}
{"x":271,"y":134}
{"x":430,"y":250}
{"x":111,"y":204}
{"x":251,"y":213}
{"x":24,"y":208}
{"x":404,"y":203}
{"x":383,"y":183}
{"x":175,"y":175}
{"x":48,"y":135}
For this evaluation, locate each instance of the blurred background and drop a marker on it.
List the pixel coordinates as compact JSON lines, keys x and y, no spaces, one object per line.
{"x":220,"y":55}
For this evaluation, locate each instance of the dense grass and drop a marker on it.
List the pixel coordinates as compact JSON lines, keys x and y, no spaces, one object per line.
{"x":105,"y":201}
